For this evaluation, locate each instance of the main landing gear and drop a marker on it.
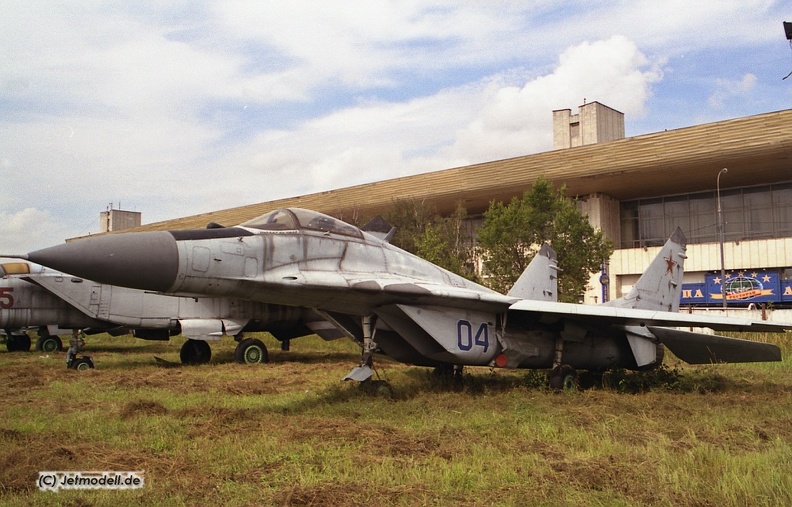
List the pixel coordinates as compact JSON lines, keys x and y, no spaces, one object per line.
{"x":248,"y":351}
{"x":195,"y":352}
{"x":251,"y":351}
{"x":21,"y":341}
{"x":562,"y":377}
{"x":49,"y":343}
{"x":17,"y":342}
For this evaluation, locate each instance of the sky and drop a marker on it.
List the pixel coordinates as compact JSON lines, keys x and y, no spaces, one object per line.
{"x":174,"y":108}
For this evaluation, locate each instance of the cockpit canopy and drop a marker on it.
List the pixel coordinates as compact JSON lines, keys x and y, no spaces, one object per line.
{"x":14,"y":268}
{"x":285,"y":219}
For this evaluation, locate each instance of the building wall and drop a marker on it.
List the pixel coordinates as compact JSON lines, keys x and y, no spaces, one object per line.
{"x":563,"y":123}
{"x":595,"y":123}
{"x":604,"y":213}
{"x":601,"y":123}
{"x":628,"y":264}
{"x":118,"y":220}
{"x":757,"y":150}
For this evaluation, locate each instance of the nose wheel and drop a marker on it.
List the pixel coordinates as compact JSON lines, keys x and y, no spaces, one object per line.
{"x":82,"y":364}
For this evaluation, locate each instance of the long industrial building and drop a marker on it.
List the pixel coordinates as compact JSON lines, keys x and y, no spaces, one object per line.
{"x":636,"y":189}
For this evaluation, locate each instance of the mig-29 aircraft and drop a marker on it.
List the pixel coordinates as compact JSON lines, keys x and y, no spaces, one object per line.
{"x":49,"y":302}
{"x":393,"y":302}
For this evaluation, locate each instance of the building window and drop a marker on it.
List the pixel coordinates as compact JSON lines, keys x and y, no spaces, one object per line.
{"x":759,"y":212}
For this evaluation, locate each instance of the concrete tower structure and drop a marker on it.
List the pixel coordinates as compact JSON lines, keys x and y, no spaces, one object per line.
{"x":594,"y":123}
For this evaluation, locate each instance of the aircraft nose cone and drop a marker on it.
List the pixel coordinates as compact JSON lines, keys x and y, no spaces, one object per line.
{"x":141,"y":260}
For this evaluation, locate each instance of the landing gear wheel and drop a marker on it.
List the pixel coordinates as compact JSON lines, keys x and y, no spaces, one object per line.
{"x":82,"y":364}
{"x":18,"y":342}
{"x":251,"y":351}
{"x":49,"y":344}
{"x":195,"y":352}
{"x":563,"y":378}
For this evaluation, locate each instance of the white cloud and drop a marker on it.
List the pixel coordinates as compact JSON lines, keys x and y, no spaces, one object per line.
{"x":498,"y":117}
{"x":361,"y":44}
{"x":517,"y":119}
{"x":27,"y":230}
{"x":727,"y":89}
{"x":145,"y":103}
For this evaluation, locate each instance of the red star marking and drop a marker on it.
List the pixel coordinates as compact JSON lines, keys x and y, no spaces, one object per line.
{"x":669,"y":263}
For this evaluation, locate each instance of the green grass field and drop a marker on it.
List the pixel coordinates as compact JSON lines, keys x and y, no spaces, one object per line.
{"x":291,"y":433}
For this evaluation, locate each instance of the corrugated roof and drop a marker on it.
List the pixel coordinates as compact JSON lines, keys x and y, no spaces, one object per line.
{"x":756,"y":149}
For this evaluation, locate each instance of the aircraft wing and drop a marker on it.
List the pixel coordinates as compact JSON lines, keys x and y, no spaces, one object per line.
{"x":549,"y":312}
{"x":643,"y":327}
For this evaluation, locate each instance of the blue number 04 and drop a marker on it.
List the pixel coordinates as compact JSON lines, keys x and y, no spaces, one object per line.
{"x":465,"y":338}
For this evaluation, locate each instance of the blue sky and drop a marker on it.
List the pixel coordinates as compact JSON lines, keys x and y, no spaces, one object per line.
{"x":179,"y":107}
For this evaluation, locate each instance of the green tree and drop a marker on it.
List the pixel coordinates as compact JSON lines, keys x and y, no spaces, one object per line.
{"x":410,"y":217}
{"x":512,"y":233}
{"x":448,"y":242}
{"x":445,"y":241}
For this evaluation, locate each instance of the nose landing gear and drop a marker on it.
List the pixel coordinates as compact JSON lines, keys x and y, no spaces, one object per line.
{"x":81,"y":363}
{"x":73,"y":361}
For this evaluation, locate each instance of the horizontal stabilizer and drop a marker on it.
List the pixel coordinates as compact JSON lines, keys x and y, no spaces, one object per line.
{"x":699,"y":348}
{"x":603,"y":314}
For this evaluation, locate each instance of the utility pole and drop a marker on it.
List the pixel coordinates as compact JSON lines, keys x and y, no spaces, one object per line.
{"x":721,"y":235}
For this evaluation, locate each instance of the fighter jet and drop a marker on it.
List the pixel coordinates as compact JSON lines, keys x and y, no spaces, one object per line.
{"x":27,"y":307}
{"x":393,"y":302}
{"x":51,"y":302}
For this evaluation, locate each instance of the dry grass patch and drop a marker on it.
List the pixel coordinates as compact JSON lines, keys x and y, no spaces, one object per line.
{"x":290,"y":433}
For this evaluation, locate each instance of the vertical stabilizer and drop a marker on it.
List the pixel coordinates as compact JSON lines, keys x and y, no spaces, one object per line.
{"x":539,"y":281}
{"x":659,"y":288}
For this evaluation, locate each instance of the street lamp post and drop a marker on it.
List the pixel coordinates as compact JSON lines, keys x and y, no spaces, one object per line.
{"x":721,"y":239}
